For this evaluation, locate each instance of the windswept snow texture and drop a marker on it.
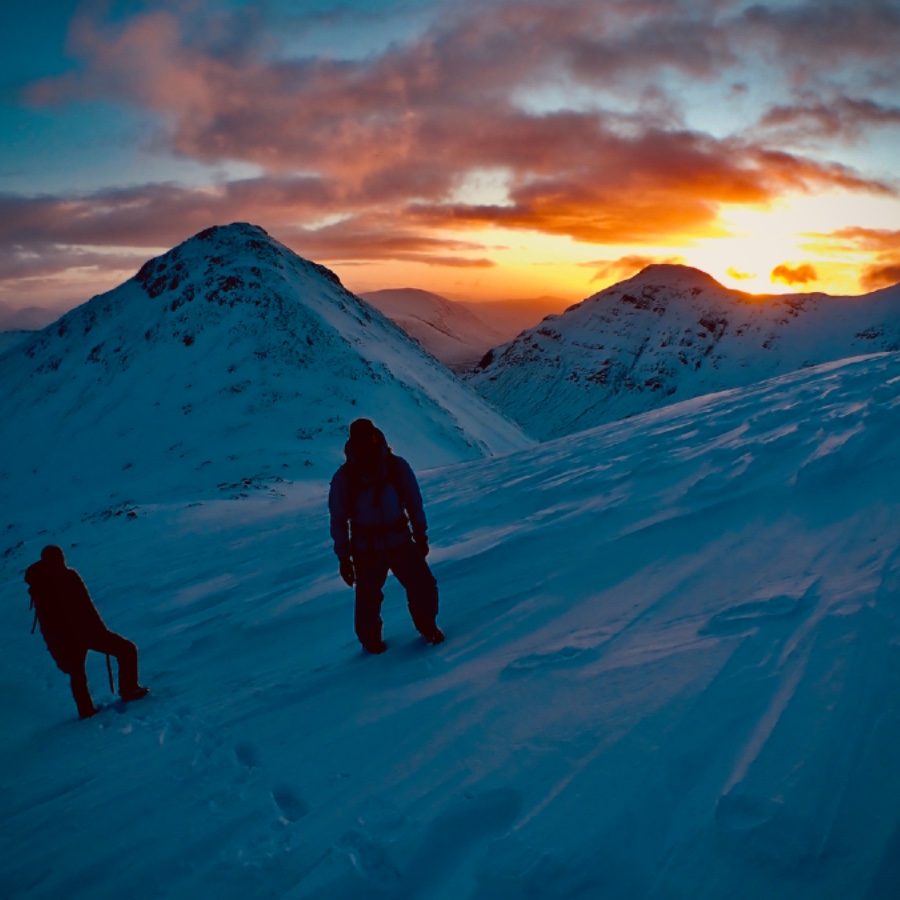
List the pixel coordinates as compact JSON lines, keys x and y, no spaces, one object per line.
{"x":228,"y":362}
{"x":452,"y":332}
{"x":668,"y":334}
{"x":672,"y":670}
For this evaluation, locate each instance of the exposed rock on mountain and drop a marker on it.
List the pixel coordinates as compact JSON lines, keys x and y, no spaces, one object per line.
{"x":668,"y":334}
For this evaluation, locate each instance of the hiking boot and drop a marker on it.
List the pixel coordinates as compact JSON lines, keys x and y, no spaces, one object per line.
{"x":434,"y":635}
{"x":134,"y":693}
{"x":87,"y":713}
{"x":378,"y":646}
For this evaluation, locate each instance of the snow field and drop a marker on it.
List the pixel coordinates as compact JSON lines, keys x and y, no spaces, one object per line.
{"x":672,"y":670}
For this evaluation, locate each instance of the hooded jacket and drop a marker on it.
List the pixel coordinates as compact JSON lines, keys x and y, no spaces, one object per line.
{"x":374,"y":502}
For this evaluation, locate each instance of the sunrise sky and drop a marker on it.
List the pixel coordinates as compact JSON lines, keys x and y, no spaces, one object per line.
{"x":481,"y":149}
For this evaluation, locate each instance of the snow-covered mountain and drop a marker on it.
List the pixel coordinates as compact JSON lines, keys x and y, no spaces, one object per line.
{"x":671,"y":670}
{"x":669,"y":333}
{"x":510,"y":317}
{"x":227,"y":362}
{"x":9,"y":339}
{"x":450,"y":331}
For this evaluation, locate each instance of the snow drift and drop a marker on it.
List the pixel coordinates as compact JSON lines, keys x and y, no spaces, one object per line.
{"x":667,"y":334}
{"x":672,"y":670}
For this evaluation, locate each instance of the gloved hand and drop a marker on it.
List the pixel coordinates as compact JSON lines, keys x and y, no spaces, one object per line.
{"x":422,"y":544}
{"x":348,"y":573}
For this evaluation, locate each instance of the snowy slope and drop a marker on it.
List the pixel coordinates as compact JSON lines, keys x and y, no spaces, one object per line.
{"x":452,"y":332}
{"x":229,"y":361}
{"x":667,"y":334}
{"x":672,"y":670}
{"x":10,"y":339}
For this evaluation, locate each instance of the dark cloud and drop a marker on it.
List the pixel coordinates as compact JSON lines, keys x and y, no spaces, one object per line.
{"x":45,"y":238}
{"x":155,"y":215}
{"x":37,"y":260}
{"x":802,"y":274}
{"x":412,"y":121}
{"x":847,"y":118}
{"x":386,"y":140}
{"x":819,"y":40}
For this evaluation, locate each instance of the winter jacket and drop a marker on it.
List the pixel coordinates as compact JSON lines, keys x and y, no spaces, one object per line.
{"x":373,"y":511}
{"x":67,"y":616}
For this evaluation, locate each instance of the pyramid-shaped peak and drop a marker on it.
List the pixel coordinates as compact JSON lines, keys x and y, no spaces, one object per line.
{"x":237,"y":241}
{"x":236,"y":231}
{"x":229,"y":357}
{"x":674,"y":275}
{"x":221,"y":252}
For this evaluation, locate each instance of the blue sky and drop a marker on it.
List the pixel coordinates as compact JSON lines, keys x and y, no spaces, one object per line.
{"x":477,"y":149}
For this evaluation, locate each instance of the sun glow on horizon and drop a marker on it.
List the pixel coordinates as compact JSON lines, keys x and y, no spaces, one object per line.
{"x":790,"y":235}
{"x":784,"y":247}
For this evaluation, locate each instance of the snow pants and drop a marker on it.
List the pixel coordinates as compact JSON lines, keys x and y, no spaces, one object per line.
{"x":411,"y":570}
{"x":113,"y":644}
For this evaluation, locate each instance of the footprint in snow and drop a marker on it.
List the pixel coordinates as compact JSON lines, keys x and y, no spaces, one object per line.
{"x":247,"y":755}
{"x":290,"y":804}
{"x":562,"y":658}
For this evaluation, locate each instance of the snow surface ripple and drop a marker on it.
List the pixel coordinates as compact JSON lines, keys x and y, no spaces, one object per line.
{"x":672,"y":670}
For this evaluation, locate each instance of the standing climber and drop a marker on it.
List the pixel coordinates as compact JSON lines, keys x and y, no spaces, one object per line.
{"x":71,"y":626}
{"x":378,"y":525}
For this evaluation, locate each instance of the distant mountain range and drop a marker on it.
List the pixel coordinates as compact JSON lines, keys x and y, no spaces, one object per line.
{"x":226,"y":364}
{"x":511,"y":317}
{"x":459,"y":332}
{"x":25,"y":318}
{"x":230,"y":363}
{"x":452,"y":332}
{"x":668,"y":334}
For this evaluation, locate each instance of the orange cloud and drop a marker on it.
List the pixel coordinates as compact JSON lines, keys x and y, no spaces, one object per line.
{"x":880,"y":276}
{"x":609,"y":271}
{"x":879,"y":240}
{"x":882,"y":244}
{"x":802,"y":274}
{"x":387,"y":140}
{"x":411,"y":122}
{"x":45,"y":239}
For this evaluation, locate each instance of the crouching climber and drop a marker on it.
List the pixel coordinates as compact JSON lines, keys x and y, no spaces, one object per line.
{"x":374,"y":501}
{"x":71,"y":625}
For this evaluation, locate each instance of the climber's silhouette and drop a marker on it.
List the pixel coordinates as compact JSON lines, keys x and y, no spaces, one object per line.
{"x":374,"y":500}
{"x":71,"y":626}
